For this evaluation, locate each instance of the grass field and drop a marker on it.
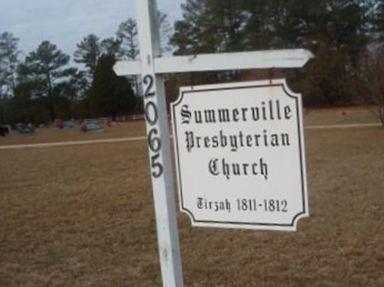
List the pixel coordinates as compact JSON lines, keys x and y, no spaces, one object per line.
{"x":48,"y":135}
{"x":337,"y":116}
{"x":83,"y":216}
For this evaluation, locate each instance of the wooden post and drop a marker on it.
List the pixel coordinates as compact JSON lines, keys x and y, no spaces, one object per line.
{"x":159,"y":145}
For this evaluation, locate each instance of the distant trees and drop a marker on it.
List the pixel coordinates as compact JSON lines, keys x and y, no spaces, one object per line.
{"x":109,"y":95}
{"x":372,"y":82}
{"x":165,"y":32}
{"x":9,"y":57}
{"x":127,"y":35}
{"x":74,"y":90}
{"x":110,"y":46}
{"x":102,"y":98}
{"x":378,"y":17}
{"x":210,"y":26}
{"x":337,"y":37}
{"x":346,"y":36}
{"x":43,"y":86}
{"x":88,"y":52}
{"x":337,"y":31}
{"x":127,"y":39}
{"x":46,"y":72}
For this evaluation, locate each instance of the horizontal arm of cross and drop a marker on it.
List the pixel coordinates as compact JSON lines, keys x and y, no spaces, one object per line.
{"x":295,"y":58}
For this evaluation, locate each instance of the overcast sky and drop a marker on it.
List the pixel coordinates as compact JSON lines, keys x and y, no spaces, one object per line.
{"x":66,"y":22}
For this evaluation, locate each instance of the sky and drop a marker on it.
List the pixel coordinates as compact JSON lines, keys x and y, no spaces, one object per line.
{"x":67,"y":22}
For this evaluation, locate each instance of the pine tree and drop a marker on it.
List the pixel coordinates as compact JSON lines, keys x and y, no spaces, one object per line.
{"x":110,"y":46}
{"x":335,"y":30}
{"x":127,"y":35}
{"x":88,"y":52}
{"x":110,"y":95}
{"x":43,"y":71}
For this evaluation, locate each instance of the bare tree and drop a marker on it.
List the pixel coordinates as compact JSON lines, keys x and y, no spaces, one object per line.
{"x":8,"y":60}
{"x":127,"y":35}
{"x":372,"y":78}
{"x":88,"y":52}
{"x":9,"y":54}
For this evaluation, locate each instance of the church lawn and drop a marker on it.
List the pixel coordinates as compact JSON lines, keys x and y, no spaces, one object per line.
{"x":83,"y":216}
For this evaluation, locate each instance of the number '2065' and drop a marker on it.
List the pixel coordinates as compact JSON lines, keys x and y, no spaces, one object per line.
{"x":152,"y":118}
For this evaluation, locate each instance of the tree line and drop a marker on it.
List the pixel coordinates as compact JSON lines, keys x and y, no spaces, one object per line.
{"x":346,"y":37}
{"x":44,"y":86}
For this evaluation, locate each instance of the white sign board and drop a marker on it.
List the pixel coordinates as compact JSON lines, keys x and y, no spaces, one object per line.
{"x":151,"y":67}
{"x":239,"y":152}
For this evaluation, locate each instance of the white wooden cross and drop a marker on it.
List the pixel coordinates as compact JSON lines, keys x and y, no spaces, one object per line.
{"x":152,"y":67}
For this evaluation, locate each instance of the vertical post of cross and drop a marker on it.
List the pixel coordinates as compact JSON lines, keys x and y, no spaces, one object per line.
{"x":159,"y":145}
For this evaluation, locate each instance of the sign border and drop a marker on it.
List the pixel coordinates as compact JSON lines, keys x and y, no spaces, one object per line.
{"x":304,"y":193}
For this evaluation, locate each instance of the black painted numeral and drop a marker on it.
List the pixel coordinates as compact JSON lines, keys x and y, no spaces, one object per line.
{"x":153,"y":141}
{"x":148,"y":80}
{"x":151,"y":114}
{"x":152,"y":118}
{"x":157,"y":168}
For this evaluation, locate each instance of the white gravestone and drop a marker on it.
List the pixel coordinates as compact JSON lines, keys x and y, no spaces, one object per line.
{"x":240,"y":155}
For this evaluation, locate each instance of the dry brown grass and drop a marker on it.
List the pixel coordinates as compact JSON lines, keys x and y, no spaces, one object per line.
{"x":83,"y":216}
{"x":336,"y":116}
{"x":48,"y":135}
